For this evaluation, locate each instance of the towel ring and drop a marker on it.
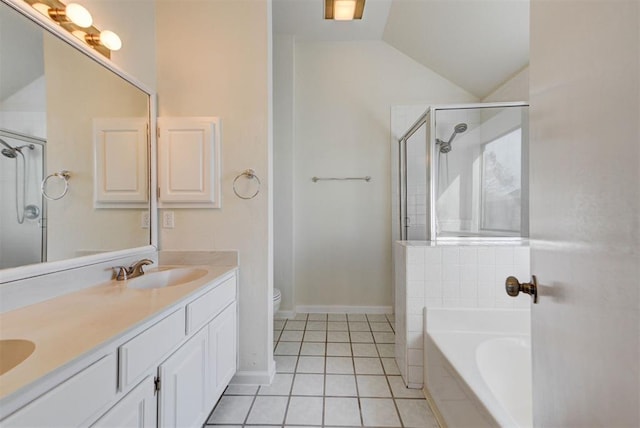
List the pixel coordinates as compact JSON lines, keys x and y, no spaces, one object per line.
{"x":251,"y":175}
{"x":62,"y":175}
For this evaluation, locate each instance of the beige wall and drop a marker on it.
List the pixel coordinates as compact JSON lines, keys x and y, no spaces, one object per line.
{"x":514,"y":89}
{"x":134,"y":21}
{"x":78,"y":90}
{"x":344,"y":92}
{"x":283,"y":157}
{"x":222,"y":69}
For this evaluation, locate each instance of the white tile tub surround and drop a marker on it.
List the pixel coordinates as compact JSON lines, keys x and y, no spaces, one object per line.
{"x":454,"y":274}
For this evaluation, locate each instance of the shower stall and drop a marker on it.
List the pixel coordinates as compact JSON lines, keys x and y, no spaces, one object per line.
{"x":463,"y":172}
{"x":22,"y":207}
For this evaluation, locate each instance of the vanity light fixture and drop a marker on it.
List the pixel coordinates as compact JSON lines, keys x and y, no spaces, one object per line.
{"x":73,"y":13}
{"x":106,"y":38}
{"x":78,"y":21}
{"x":343,"y":10}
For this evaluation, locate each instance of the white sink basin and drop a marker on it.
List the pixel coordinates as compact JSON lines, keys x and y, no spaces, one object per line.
{"x":166,"y":277}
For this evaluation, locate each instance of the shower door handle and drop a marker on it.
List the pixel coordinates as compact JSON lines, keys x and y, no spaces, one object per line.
{"x":514,"y":287}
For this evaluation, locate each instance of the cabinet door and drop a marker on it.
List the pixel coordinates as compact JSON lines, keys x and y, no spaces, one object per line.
{"x":136,"y":410}
{"x":183,"y":392}
{"x":189,"y":162}
{"x":120,"y":146}
{"x":222,"y":348}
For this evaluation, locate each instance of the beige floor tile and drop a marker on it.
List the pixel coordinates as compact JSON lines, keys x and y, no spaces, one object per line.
{"x":305,"y":410}
{"x":373,"y":386}
{"x":379,"y":412}
{"x":416,"y":414}
{"x":268,"y":410}
{"x":341,"y":412}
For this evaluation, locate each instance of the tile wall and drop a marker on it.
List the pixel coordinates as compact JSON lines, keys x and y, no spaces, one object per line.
{"x":469,"y":275}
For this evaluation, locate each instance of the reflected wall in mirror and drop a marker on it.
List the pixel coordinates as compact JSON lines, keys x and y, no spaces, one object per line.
{"x":54,"y":102}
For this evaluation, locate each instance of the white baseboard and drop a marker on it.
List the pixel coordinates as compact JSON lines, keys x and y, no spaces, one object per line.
{"x":281,"y":315}
{"x":343,"y":309}
{"x":254,"y":377}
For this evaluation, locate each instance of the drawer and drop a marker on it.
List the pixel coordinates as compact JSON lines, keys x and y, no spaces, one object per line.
{"x":72,"y":402}
{"x":200,"y":311}
{"x":149,"y":347}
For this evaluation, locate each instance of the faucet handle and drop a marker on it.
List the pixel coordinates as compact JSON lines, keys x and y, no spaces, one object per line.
{"x":122,"y":273}
{"x":136,"y":268}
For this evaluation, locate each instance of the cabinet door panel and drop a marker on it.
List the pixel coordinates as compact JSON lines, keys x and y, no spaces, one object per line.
{"x":222,"y":348}
{"x":189,"y":162}
{"x":183,"y":392}
{"x":136,"y":410}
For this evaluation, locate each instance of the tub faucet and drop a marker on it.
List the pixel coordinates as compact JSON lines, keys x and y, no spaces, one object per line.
{"x":124,"y":273}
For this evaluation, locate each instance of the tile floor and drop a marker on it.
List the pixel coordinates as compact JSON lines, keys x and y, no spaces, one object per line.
{"x":332,"y":370}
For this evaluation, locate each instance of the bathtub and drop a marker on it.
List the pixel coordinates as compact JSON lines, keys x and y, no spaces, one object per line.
{"x":478,"y":366}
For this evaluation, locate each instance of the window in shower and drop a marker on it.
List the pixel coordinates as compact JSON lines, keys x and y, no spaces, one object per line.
{"x":480,"y":163}
{"x":501,"y":189}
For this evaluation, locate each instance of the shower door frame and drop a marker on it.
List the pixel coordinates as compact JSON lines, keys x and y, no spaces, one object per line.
{"x":30,"y":139}
{"x":423,"y":120}
{"x":429,"y":118}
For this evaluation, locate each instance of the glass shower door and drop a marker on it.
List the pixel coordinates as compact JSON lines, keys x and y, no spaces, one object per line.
{"x":414,"y":183}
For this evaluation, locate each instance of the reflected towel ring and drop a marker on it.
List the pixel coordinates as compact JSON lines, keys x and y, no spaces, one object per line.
{"x":251,"y":175}
{"x":63,"y":175}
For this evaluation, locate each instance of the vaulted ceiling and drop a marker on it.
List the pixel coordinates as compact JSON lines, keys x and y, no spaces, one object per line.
{"x":476,"y":44}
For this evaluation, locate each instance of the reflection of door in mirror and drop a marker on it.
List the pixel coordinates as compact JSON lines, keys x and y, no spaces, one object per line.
{"x":50,"y":96}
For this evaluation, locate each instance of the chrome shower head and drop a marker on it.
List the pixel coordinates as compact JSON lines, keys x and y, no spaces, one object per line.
{"x":445,"y":146}
{"x":460,"y":128}
{"x":9,"y":152}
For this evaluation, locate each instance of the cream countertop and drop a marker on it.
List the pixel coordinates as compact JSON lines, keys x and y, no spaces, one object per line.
{"x":67,"y":327}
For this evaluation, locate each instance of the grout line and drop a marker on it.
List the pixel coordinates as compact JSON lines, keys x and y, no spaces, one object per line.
{"x":246,"y":418}
{"x":324,"y":380}
{"x":326,"y":355}
{"x":295,"y":370}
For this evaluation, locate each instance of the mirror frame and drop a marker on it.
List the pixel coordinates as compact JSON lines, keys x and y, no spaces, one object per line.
{"x":28,"y":271}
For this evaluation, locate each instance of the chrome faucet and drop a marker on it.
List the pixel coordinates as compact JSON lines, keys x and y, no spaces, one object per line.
{"x":132,"y":271}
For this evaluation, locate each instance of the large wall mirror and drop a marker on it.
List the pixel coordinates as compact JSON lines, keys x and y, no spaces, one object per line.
{"x":73,"y":124}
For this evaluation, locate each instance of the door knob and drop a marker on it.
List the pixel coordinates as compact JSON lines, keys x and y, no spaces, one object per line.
{"x":514,"y":287}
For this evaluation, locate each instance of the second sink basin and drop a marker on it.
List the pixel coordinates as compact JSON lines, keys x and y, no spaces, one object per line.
{"x":166,"y":277}
{"x":13,"y":352}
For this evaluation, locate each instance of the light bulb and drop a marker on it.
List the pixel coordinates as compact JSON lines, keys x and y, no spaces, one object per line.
{"x":344,"y":10}
{"x":110,"y":40}
{"x":79,"y":15}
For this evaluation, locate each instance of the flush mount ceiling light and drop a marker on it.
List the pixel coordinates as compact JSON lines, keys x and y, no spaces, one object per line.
{"x":343,"y":10}
{"x":78,"y":21}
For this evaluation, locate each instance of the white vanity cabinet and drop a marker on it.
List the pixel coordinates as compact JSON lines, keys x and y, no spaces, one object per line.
{"x":195,"y":376}
{"x":222,"y":333}
{"x":72,"y":402}
{"x":168,"y":373}
{"x":182,"y":398}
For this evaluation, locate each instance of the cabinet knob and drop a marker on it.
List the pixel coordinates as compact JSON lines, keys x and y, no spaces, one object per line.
{"x":514,"y":287}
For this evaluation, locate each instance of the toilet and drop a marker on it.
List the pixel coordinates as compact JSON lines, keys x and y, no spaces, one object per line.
{"x":277,"y":298}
